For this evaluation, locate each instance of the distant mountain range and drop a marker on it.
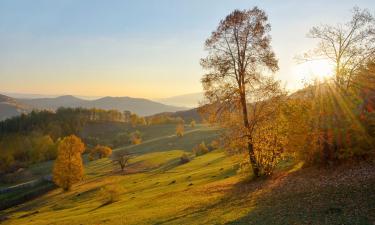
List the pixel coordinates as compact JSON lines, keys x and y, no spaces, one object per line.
{"x":12,"y":107}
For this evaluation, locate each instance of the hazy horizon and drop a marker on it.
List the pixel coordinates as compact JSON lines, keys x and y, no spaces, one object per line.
{"x":139,"y":49}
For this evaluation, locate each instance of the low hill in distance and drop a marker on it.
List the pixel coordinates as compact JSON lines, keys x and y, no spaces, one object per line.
{"x":11,"y":107}
{"x":139,"y":106}
{"x":187,"y":100}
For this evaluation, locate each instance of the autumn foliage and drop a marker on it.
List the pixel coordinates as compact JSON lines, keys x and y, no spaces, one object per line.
{"x":99,"y":152}
{"x":68,"y":167}
{"x":180,"y":129}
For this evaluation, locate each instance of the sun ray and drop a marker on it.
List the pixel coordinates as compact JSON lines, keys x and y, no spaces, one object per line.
{"x":314,"y":70}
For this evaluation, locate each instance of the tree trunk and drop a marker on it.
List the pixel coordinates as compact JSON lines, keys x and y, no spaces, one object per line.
{"x":253,"y":160}
{"x":250,"y":147}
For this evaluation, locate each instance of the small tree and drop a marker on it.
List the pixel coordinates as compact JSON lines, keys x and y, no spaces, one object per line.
{"x":68,"y":167}
{"x":192,"y":123}
{"x":121,"y":158}
{"x":180,"y":128}
{"x":136,"y":137}
{"x":133,"y":119}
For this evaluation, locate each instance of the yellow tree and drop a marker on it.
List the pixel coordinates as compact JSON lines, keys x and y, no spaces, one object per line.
{"x":133,"y":119}
{"x":180,"y":128}
{"x":68,"y":167}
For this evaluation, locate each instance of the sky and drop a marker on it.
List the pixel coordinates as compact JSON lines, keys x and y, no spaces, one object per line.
{"x":140,"y":48}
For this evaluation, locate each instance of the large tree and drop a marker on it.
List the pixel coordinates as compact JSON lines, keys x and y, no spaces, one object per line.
{"x":68,"y":167}
{"x":348,"y":46}
{"x":238,"y":84}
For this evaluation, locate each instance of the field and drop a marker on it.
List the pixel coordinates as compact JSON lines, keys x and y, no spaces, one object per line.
{"x":157,"y":189}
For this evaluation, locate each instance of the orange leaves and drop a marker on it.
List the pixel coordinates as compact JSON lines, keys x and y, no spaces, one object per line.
{"x":68,"y":167}
{"x":180,"y":129}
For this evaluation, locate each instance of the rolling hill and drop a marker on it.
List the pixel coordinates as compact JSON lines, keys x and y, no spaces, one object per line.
{"x":139,"y":106}
{"x":10,"y":107}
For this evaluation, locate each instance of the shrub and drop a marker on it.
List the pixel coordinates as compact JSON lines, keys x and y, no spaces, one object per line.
{"x":111,"y":193}
{"x":136,"y":138}
{"x":184,"y":158}
{"x":103,"y":151}
{"x":200,"y":149}
{"x":180,"y":128}
{"x":100,"y":152}
{"x":213,"y":145}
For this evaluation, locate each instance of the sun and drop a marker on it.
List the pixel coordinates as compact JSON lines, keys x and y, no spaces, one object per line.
{"x":314,"y":70}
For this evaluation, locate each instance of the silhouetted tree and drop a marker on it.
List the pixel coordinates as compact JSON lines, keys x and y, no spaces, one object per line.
{"x":348,"y":46}
{"x":121,"y":158}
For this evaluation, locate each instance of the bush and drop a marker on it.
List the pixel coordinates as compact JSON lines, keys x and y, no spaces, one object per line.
{"x":100,"y":152}
{"x":214,"y":145}
{"x":111,"y":193}
{"x":180,"y":129}
{"x":184,"y":158}
{"x":200,"y":149}
{"x":192,"y":123}
{"x":136,"y":138}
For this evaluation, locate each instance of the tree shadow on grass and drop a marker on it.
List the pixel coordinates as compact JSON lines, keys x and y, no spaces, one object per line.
{"x":308,"y":196}
{"x":315,"y":196}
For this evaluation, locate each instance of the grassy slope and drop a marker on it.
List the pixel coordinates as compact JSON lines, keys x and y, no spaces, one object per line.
{"x":156,"y":138}
{"x":161,"y":190}
{"x":207,"y":190}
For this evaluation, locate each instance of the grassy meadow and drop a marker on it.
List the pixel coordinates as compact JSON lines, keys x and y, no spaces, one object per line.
{"x":157,"y":189}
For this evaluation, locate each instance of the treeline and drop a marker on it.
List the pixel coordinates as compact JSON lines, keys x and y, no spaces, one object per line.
{"x":31,"y":138}
{"x":64,"y":121}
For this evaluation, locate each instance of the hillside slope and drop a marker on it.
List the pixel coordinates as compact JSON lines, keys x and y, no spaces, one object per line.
{"x":10,"y":107}
{"x":157,"y":189}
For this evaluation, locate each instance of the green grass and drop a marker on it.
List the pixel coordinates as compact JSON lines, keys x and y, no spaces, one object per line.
{"x":191,"y":138}
{"x":207,"y":190}
{"x":156,"y":138}
{"x":163,"y":189}
{"x":107,"y":131}
{"x":158,"y":189}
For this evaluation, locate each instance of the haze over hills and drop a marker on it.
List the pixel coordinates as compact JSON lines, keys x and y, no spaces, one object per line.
{"x":188,"y":100}
{"x":11,"y":107}
{"x":140,"y":106}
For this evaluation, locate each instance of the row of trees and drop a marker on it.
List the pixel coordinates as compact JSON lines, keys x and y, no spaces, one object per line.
{"x":19,"y":151}
{"x":326,"y":122}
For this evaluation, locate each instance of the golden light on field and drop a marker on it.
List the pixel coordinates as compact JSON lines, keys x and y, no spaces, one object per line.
{"x":315,"y":69}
